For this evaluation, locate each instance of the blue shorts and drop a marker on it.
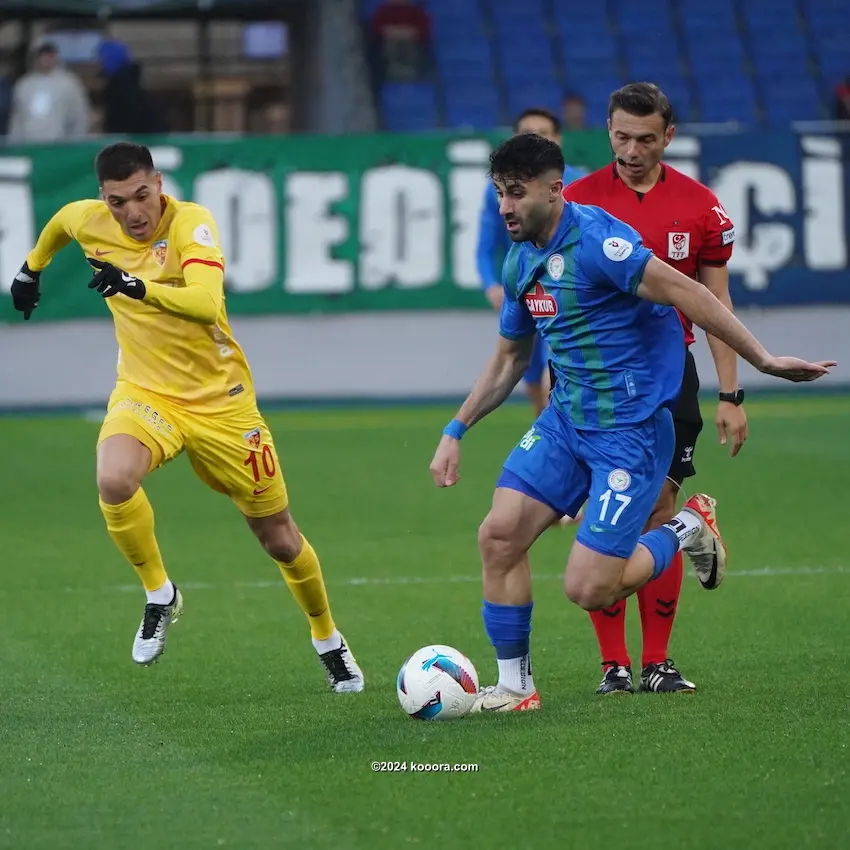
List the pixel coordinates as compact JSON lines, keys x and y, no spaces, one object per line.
{"x":619,"y":473}
{"x":539,"y":361}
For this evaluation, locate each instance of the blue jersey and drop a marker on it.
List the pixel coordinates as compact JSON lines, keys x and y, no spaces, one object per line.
{"x":618,"y":358}
{"x":494,"y":241}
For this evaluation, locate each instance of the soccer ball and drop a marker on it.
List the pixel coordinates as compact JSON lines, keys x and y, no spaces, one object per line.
{"x":437,"y":683}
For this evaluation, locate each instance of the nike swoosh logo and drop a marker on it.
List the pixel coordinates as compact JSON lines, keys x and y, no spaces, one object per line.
{"x":99,"y":253}
{"x":494,"y":707}
{"x":263,"y":490}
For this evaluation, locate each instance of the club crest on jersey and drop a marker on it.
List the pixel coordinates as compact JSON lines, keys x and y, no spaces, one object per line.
{"x":619,"y":480}
{"x":159,"y":251}
{"x":555,"y":266}
{"x":253,"y":438}
{"x":540,"y":304}
{"x":678,"y":245}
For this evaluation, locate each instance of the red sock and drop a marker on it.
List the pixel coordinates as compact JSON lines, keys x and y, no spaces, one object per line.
{"x":610,"y":625}
{"x":658,"y":601}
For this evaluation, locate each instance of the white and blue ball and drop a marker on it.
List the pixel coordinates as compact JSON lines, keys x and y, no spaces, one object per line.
{"x":437,"y":683}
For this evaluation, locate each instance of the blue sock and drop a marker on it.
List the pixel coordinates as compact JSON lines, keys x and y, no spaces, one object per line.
{"x":508,"y":627}
{"x":663,"y":544}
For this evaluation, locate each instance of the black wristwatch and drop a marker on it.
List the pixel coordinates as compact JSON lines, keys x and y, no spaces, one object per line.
{"x":736,"y":398}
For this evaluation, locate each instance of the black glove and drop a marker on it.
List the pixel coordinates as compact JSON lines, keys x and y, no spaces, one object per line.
{"x":25,"y":293}
{"x":110,"y":280}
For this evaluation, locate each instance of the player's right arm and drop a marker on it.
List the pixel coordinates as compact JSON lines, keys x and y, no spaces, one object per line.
{"x":57,"y":233}
{"x":662,"y":284}
{"x":491,"y":233}
{"x":503,"y":372}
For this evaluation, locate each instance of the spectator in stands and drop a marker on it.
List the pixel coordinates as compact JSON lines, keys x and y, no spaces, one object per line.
{"x":574,"y":112}
{"x":49,"y":103}
{"x":842,"y":100}
{"x":402,"y":30}
{"x":127,"y":106}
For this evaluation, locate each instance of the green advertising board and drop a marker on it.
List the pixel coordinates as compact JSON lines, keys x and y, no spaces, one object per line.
{"x":308,"y":224}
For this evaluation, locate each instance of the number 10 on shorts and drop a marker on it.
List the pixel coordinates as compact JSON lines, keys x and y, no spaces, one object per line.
{"x":621,"y":502}
{"x":264,"y":459}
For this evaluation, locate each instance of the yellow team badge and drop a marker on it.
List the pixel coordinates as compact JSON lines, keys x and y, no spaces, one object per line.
{"x":159,"y":250}
{"x":253,"y":439}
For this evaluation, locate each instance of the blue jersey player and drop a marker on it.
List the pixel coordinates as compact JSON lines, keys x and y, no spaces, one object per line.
{"x":599,"y":298}
{"x":494,"y":243}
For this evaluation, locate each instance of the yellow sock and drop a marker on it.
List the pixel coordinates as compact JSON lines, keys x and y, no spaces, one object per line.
{"x":130,"y":525}
{"x":304,"y":579}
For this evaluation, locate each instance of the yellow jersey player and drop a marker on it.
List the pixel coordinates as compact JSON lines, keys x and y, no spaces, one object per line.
{"x":183,"y":385}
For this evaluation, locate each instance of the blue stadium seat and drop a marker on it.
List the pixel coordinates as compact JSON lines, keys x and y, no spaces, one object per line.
{"x":643,"y":20}
{"x":834,"y":67}
{"x":716,"y":19}
{"x":823,"y":16}
{"x":545,"y":93}
{"x":408,"y":107}
{"x":472,"y":57}
{"x":729,"y":98}
{"x":575,"y":30}
{"x":591,"y":69}
{"x":768,"y":15}
{"x":713,"y":56}
{"x":593,"y":49}
{"x":472,"y":106}
{"x":466,"y":9}
{"x":792,"y":100}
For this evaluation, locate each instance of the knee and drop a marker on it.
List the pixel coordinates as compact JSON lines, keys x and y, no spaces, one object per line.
{"x":498,"y":543}
{"x":116,"y":484}
{"x":591,"y":597}
{"x":280,"y":537}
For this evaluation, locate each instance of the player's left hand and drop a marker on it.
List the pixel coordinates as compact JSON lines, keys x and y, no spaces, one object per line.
{"x":444,"y":466}
{"x":110,"y":280}
{"x":796,"y":370}
{"x":25,"y":290}
{"x":731,"y":423}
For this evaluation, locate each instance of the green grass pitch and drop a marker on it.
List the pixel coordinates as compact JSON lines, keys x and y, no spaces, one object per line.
{"x":233,"y":740}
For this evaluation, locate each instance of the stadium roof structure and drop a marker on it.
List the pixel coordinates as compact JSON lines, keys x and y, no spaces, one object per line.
{"x":31,"y":9}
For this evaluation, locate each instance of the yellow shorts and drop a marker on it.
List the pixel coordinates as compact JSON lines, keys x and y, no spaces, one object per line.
{"x":233,"y":452}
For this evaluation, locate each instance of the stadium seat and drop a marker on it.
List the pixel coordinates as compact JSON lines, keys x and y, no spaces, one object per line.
{"x":643,"y":21}
{"x":584,"y":29}
{"x":543,"y":92}
{"x":473,"y":106}
{"x":768,"y":15}
{"x":408,"y":107}
{"x":728,"y":98}
{"x":788,"y":100}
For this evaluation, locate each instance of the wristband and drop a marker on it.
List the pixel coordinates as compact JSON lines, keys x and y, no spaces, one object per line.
{"x":455,"y":429}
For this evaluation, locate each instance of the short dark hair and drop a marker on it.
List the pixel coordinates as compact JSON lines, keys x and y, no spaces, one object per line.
{"x":122,"y":160}
{"x":641,"y":99}
{"x":538,"y":112}
{"x":526,"y":157}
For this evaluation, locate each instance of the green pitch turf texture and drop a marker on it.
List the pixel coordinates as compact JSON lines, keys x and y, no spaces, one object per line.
{"x":233,"y":739}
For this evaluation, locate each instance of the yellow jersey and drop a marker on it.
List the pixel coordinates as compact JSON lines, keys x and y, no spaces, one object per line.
{"x":175,"y":342}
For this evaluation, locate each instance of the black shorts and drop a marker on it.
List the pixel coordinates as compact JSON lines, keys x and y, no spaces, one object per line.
{"x":687,"y":421}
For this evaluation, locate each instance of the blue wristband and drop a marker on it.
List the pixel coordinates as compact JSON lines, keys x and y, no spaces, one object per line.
{"x":455,"y":429}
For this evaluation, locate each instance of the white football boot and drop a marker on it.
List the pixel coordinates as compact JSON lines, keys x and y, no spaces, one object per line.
{"x":495,"y":698}
{"x":706,"y":550}
{"x":152,"y":636}
{"x":343,"y":672}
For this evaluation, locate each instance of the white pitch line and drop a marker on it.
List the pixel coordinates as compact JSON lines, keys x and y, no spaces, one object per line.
{"x":364,"y":581}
